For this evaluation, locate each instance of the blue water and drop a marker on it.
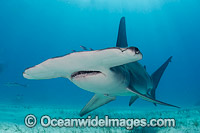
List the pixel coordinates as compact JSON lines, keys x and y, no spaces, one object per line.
{"x":32,"y":31}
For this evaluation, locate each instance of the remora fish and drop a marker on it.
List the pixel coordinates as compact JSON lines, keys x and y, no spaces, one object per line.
{"x":108,"y":73}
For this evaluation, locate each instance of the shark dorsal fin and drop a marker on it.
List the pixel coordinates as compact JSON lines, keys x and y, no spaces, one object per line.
{"x":122,"y":39}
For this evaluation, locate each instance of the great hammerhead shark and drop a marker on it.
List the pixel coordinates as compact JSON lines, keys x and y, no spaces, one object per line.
{"x":108,"y":73}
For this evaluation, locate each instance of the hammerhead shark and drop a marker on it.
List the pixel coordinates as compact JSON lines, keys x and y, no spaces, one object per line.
{"x":108,"y":73}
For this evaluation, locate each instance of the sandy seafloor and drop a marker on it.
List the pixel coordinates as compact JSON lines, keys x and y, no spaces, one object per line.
{"x":12,"y":119}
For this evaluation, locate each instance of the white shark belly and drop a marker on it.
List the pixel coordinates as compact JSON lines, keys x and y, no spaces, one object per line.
{"x":101,"y":83}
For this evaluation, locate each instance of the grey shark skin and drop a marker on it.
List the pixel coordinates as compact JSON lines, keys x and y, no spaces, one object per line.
{"x":108,"y":73}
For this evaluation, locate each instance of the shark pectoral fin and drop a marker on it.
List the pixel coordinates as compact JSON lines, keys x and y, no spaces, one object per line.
{"x":96,"y":101}
{"x":132,"y":100}
{"x":150,"y":99}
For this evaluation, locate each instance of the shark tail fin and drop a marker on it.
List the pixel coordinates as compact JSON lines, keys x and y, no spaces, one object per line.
{"x":156,"y":76}
{"x":121,"y":38}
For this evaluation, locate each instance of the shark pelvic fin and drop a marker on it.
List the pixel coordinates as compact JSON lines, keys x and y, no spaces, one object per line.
{"x":149,"y":98}
{"x":122,"y":39}
{"x":133,"y":99}
{"x":96,"y":101}
{"x":156,"y":76}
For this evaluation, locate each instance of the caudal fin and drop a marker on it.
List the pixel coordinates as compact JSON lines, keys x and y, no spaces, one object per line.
{"x":156,"y":76}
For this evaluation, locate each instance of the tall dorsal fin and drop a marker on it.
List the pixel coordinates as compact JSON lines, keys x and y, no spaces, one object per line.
{"x":122,"y":39}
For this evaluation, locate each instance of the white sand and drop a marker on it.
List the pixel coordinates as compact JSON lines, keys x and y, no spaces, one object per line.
{"x":12,"y":119}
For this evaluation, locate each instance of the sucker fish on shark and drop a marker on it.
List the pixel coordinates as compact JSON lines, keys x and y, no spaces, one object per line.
{"x":107,"y":72}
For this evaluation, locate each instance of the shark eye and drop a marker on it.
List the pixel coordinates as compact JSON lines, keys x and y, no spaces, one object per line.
{"x":137,"y":51}
{"x":134,"y":49}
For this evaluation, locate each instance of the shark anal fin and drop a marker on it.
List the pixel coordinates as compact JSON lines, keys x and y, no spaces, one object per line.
{"x":121,"y":38}
{"x":149,"y":98}
{"x":96,"y":101}
{"x":133,"y":99}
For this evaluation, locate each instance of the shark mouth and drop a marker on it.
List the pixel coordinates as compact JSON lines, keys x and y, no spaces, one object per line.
{"x":83,"y":74}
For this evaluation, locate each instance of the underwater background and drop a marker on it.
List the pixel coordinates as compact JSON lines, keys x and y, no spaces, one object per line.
{"x":32,"y":31}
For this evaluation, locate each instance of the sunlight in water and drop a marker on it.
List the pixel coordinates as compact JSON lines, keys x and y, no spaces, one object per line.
{"x":119,"y":5}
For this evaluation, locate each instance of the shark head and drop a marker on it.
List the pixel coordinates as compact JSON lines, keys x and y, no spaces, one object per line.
{"x":82,"y":65}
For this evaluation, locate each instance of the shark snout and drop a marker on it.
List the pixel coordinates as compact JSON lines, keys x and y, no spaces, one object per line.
{"x":27,"y":75}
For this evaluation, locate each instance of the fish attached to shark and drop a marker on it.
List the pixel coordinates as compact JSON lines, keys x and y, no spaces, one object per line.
{"x":107,"y":72}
